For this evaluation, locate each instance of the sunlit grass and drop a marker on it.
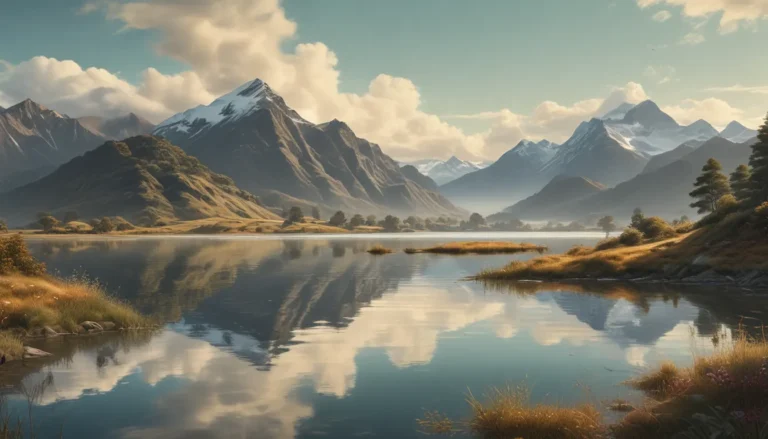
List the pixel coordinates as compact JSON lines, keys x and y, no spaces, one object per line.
{"x":380,"y":250}
{"x":480,"y":247}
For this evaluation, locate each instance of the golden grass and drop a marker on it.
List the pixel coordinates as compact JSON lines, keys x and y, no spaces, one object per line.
{"x":11,"y":346}
{"x":31,"y":303}
{"x":380,"y":250}
{"x":480,"y":247}
{"x":508,"y":414}
{"x":581,"y":263}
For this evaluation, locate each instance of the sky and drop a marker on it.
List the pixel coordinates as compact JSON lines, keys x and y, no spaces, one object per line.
{"x":424,"y":79}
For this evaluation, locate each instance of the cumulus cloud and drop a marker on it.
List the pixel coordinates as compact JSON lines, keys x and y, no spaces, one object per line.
{"x":662,"y":16}
{"x":755,"y":89}
{"x":716,"y":111}
{"x":733,"y":13}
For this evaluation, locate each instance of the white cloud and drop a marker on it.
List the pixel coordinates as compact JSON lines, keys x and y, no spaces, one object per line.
{"x":716,"y":111}
{"x":733,"y":13}
{"x":662,"y":16}
{"x":660,"y":74}
{"x":757,"y":89}
{"x":692,"y":39}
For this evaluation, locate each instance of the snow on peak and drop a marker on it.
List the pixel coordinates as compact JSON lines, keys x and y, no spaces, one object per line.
{"x":240,"y":102}
{"x":445,"y":171}
{"x":619,"y":112}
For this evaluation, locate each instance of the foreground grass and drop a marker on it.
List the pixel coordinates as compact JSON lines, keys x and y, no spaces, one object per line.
{"x":380,"y":250}
{"x":480,"y":247}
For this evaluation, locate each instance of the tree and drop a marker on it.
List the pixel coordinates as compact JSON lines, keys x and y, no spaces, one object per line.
{"x":3,"y":226}
{"x":740,"y":182}
{"x":476,"y":220}
{"x":391,"y":223}
{"x":338,"y":219}
{"x":370,"y":220}
{"x":637,"y":217}
{"x":315,"y":212}
{"x":411,"y":221}
{"x":295,"y":215}
{"x":70,"y":216}
{"x":606,"y":223}
{"x":104,"y":225}
{"x":356,"y":221}
{"x":710,"y":186}
{"x":48,"y":223}
{"x":758,"y":161}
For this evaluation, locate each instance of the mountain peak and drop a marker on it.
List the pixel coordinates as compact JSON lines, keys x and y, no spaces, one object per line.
{"x":649,"y":115}
{"x":619,"y":112}
{"x":737,"y":132}
{"x":28,"y":107}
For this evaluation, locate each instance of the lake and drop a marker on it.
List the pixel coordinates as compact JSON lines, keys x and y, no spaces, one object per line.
{"x":310,"y":336}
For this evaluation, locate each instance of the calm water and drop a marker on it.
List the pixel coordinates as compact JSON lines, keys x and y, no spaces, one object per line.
{"x":312,"y":337}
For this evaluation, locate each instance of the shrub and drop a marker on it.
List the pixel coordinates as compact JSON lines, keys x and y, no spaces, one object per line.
{"x":727,"y":204}
{"x":104,"y":225}
{"x":684,"y":227}
{"x":48,"y":223}
{"x":608,"y":243}
{"x":578,"y":250}
{"x":3,"y":226}
{"x":338,"y":219}
{"x":761,"y":212}
{"x":15,"y":258}
{"x":631,"y":236}
{"x":656,"y":228}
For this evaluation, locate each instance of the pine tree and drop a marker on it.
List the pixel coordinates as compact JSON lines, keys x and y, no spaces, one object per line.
{"x":740,"y":182}
{"x":758,"y":161}
{"x":710,"y":186}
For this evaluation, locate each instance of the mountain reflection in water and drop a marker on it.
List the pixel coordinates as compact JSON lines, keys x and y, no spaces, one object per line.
{"x":302,"y":338}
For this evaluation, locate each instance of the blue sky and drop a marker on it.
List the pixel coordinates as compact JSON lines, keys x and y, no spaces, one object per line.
{"x":500,"y":64}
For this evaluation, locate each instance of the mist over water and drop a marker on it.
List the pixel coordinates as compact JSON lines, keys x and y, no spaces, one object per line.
{"x":302,"y":337}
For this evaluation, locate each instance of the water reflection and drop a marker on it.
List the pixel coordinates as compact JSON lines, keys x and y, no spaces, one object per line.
{"x":283,"y":339}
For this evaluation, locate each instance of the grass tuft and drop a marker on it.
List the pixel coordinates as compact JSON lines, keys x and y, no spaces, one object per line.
{"x":380,"y":250}
{"x":11,"y":347}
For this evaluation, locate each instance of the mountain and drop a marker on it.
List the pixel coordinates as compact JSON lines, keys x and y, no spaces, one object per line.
{"x":595,"y":151}
{"x":651,"y":131}
{"x":251,"y":135}
{"x":736,"y":132}
{"x":663,"y":159}
{"x":20,"y":178}
{"x":443,"y":172}
{"x":562,"y":189}
{"x":663,"y":191}
{"x":118,"y":128}
{"x":413,"y":174}
{"x":144,"y":179}
{"x":33,"y":137}
{"x":512,"y":177}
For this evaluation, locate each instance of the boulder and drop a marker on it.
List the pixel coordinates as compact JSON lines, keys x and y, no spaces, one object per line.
{"x":108,"y":326}
{"x":50,"y":332}
{"x":30,"y":352}
{"x":91,"y":326}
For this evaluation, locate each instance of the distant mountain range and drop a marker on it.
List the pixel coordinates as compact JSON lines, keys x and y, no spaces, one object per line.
{"x":144,"y":179}
{"x":251,"y":135}
{"x":445,"y":171}
{"x":624,"y":143}
{"x":118,"y":128}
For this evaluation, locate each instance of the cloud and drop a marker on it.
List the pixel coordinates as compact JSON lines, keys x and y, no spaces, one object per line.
{"x":692,"y":39}
{"x":716,"y":111}
{"x":733,"y":13}
{"x":660,"y":74}
{"x":757,"y":89}
{"x":662,"y":16}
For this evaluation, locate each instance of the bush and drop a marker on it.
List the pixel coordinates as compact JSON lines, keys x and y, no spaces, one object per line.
{"x":3,"y":226}
{"x":48,"y":223}
{"x":656,"y":228}
{"x":631,"y":236}
{"x":727,"y":204}
{"x":104,"y":225}
{"x":578,"y":250}
{"x":684,"y":227}
{"x":608,"y":243}
{"x":15,"y":258}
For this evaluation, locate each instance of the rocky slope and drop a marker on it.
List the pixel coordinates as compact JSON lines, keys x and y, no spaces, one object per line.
{"x":144,"y":179}
{"x":251,"y":135}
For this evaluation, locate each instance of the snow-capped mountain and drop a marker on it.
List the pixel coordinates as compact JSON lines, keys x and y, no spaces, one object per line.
{"x":444,"y":171}
{"x":737,"y":133}
{"x":34,"y":137}
{"x":651,"y":131}
{"x":619,"y":112}
{"x":253,"y":136}
{"x":599,"y":152}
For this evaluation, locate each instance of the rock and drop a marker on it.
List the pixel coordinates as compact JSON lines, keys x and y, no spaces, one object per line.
{"x":30,"y":352}
{"x":707,"y":277}
{"x":91,"y":326}
{"x":108,"y":326}
{"x":50,"y":332}
{"x":701,"y":260}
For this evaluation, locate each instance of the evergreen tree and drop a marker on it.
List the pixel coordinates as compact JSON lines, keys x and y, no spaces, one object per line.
{"x":758,"y":161}
{"x":637,"y":217}
{"x":710,"y":186}
{"x":740,"y":182}
{"x":295,"y":215}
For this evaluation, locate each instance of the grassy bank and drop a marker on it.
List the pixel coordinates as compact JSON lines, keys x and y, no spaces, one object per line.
{"x":33,"y":303}
{"x":480,"y":247}
{"x":723,"y":395}
{"x":380,"y":250}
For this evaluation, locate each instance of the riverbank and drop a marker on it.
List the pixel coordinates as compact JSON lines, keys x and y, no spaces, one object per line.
{"x":480,"y":248}
{"x":731,"y":252}
{"x":35,"y":304}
